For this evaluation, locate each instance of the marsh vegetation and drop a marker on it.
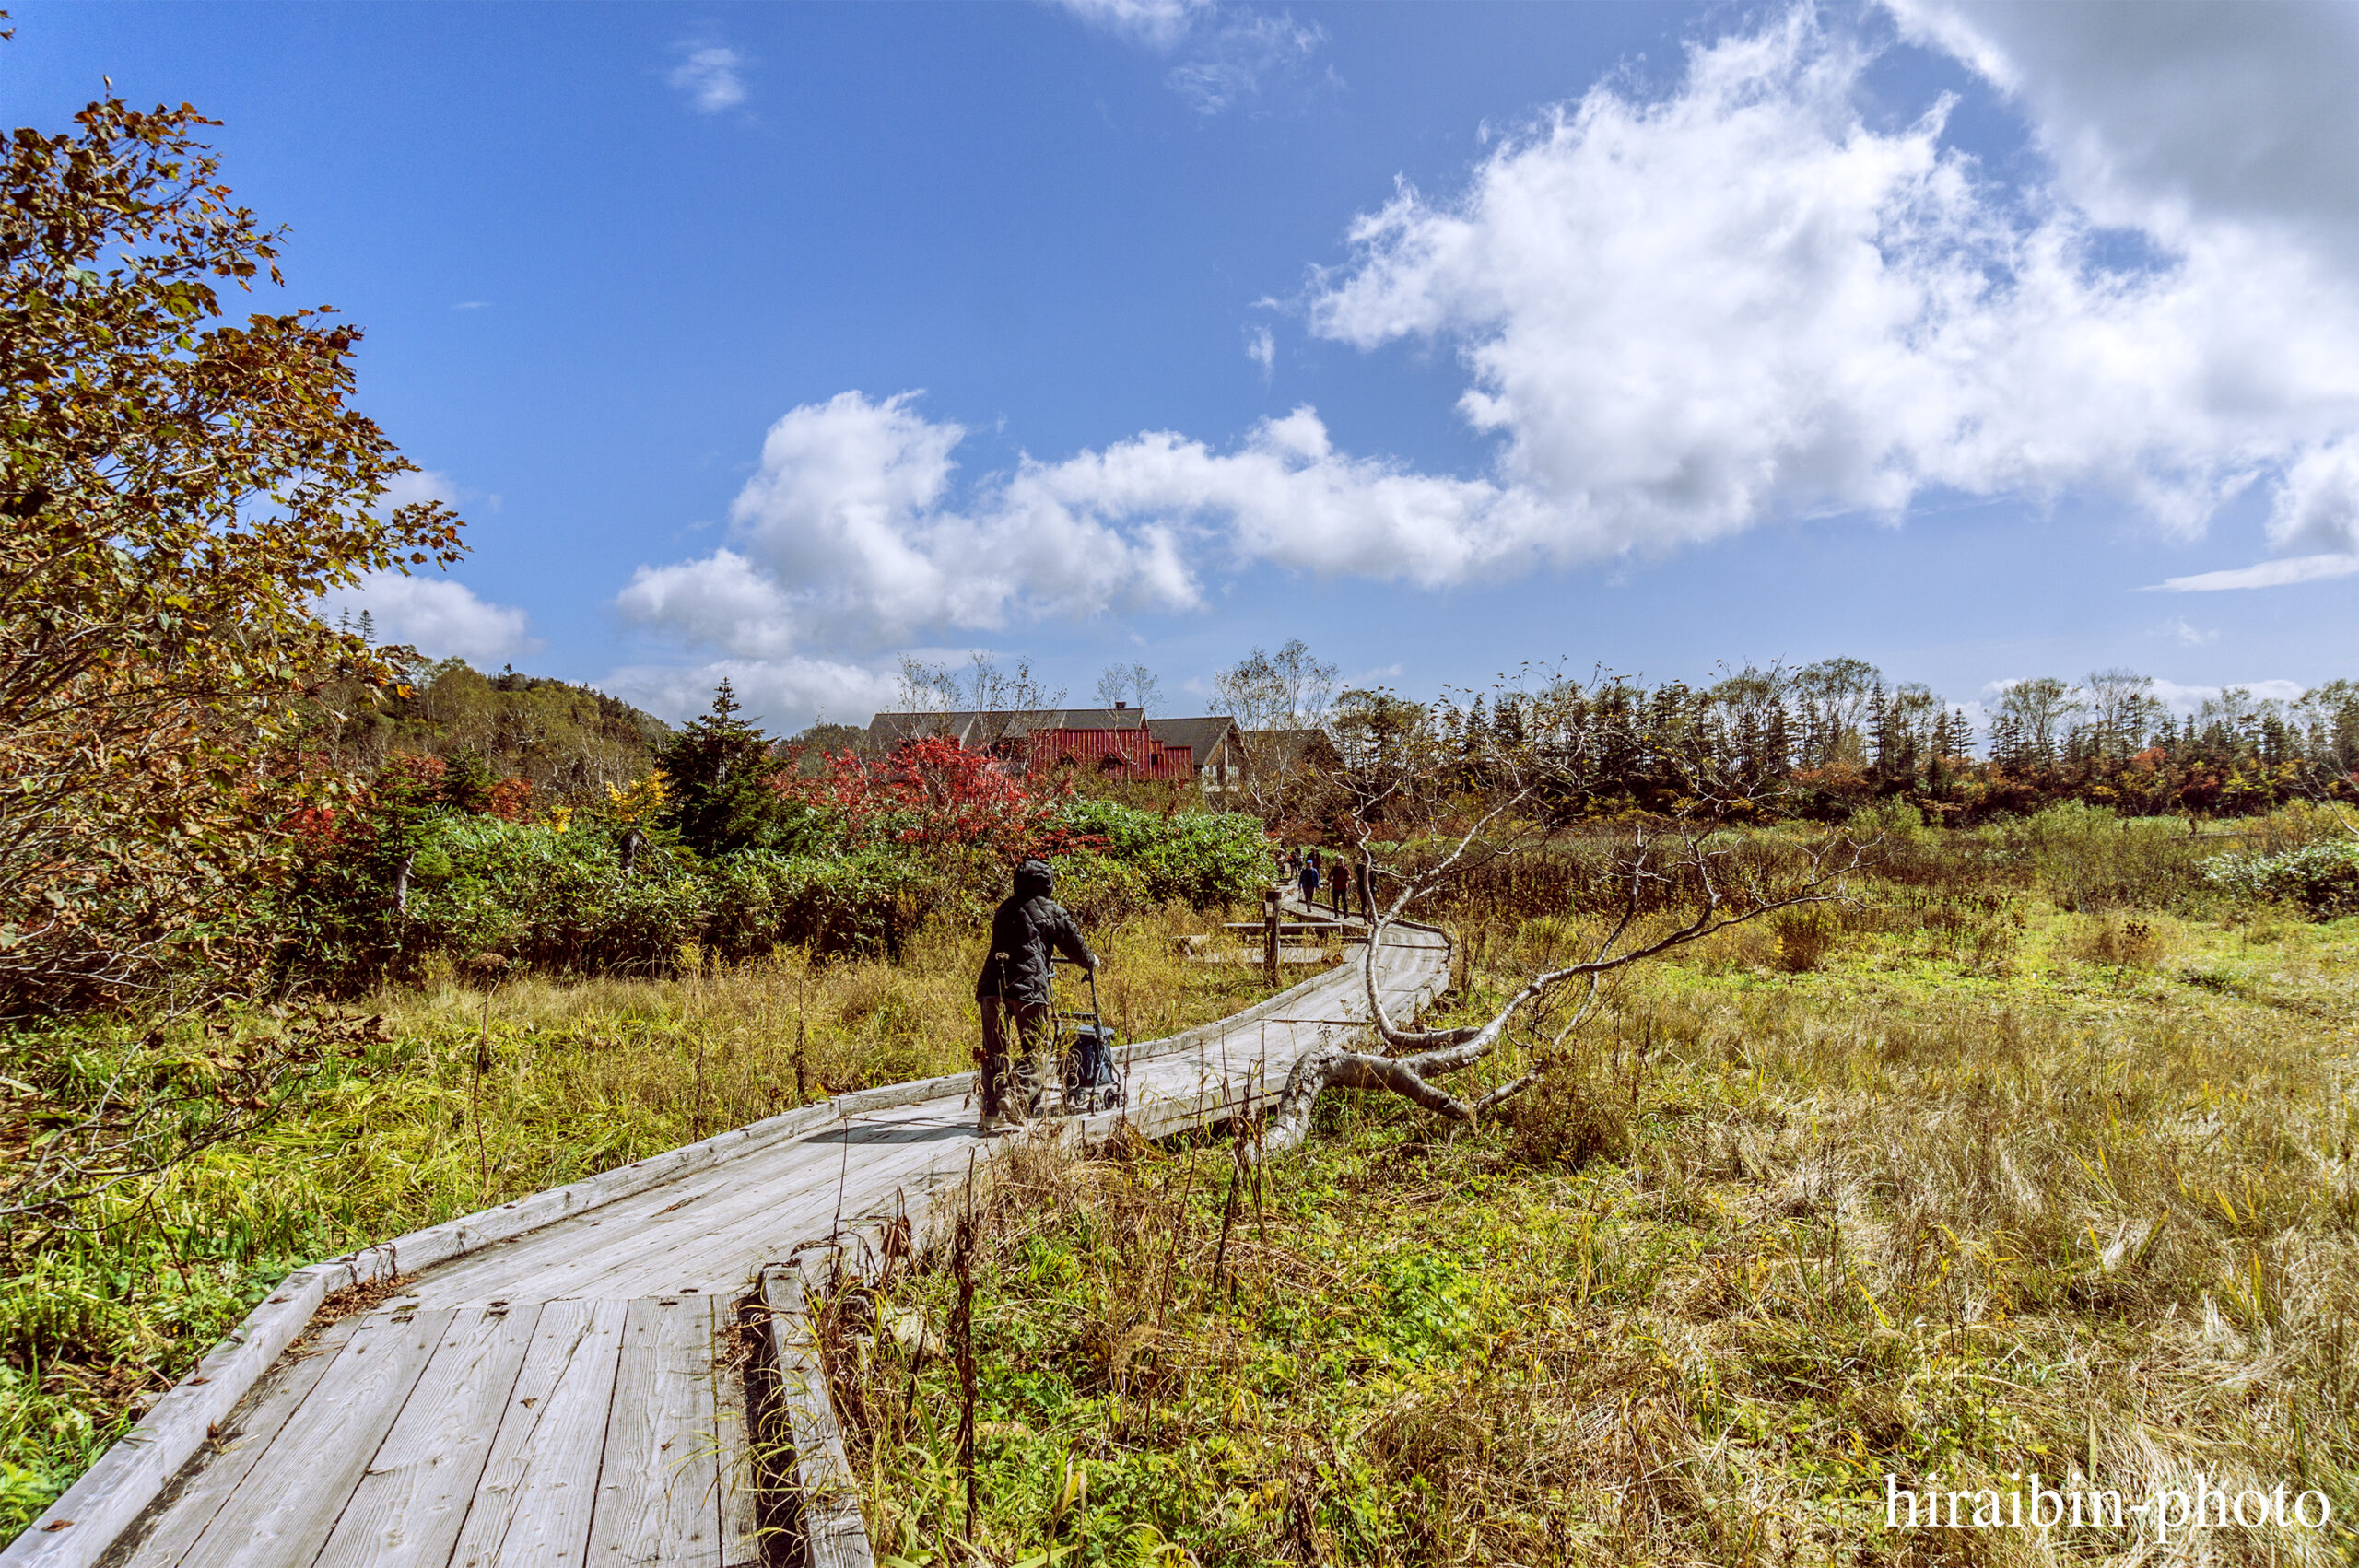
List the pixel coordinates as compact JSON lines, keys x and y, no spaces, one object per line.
{"x":2035,"y":1157}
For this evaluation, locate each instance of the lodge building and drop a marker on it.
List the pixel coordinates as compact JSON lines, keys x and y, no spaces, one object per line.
{"x":1121,"y":741}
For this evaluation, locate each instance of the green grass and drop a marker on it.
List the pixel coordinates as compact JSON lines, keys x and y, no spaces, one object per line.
{"x":1989,"y":1172}
{"x":471,"y":1100}
{"x":2079,"y":1201}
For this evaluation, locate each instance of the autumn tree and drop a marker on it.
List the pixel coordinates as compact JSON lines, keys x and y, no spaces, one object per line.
{"x":2122,"y":710}
{"x":1839,"y":694}
{"x":180,"y":489}
{"x":2031,"y":722}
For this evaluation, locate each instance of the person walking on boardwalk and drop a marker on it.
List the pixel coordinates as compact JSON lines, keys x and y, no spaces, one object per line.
{"x":1309,"y":876}
{"x":1028,"y":929}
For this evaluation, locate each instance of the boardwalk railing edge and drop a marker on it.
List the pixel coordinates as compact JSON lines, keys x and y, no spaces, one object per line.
{"x":834,"y":1534}
{"x":76,"y":1530}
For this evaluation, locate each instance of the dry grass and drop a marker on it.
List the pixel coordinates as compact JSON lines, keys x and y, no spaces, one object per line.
{"x":2079,"y":1200}
{"x":479,"y":1096}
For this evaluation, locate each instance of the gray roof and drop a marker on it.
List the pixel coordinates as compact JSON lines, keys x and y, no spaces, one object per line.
{"x":1201,"y":736}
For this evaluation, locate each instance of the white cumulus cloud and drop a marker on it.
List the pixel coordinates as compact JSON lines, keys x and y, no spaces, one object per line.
{"x":1681,"y":314}
{"x":440,"y":617}
{"x":1687,"y":315}
{"x":845,"y":535}
{"x":2317,"y":504}
{"x":713,"y":74}
{"x":2160,"y":115}
{"x":782,"y":694}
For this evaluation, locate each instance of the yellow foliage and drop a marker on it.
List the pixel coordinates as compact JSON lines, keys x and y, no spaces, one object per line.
{"x":635,"y":802}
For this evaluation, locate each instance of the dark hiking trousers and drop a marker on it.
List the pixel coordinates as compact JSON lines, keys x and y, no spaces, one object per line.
{"x":1013,"y":1084}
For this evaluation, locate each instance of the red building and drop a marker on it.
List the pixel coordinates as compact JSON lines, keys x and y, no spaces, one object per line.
{"x":1130,"y":754}
{"x":1119,"y":741}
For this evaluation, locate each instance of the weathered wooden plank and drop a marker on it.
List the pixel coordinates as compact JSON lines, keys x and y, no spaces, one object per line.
{"x":559,"y":1246}
{"x":658,"y":1501}
{"x":639,"y":1244}
{"x":739,"y":1487}
{"x":723,"y":1261}
{"x":283,"y":1510}
{"x":1288,"y":957}
{"x":833,"y":1533}
{"x":181,"y":1513}
{"x":407,"y":1508}
{"x":558,"y":1263}
{"x":77,"y":1529}
{"x":540,"y":1484}
{"x":472,"y":1233}
{"x":130,"y":1476}
{"x":781,"y":1196}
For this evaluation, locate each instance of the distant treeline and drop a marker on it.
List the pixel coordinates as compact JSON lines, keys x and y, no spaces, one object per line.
{"x":1825,"y":739}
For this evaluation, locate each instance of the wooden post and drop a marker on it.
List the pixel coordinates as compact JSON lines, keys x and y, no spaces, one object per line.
{"x":1269,"y":938}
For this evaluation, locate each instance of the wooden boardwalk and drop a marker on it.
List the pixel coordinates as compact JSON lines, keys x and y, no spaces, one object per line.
{"x":574,"y":1394}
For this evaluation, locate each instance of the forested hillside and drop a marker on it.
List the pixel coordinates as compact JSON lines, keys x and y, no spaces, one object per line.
{"x":569,"y":743}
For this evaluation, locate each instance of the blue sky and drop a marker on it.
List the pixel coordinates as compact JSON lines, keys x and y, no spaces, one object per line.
{"x":782,"y":341}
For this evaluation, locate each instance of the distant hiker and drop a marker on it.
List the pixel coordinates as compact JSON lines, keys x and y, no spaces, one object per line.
{"x":1309,"y":878}
{"x":1028,"y":929}
{"x":1339,"y":870}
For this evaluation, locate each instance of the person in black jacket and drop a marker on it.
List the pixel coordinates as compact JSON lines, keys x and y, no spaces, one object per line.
{"x":1026,"y":928}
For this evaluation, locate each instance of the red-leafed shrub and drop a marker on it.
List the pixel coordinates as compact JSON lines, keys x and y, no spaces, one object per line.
{"x":512,"y":799}
{"x":933,"y":795}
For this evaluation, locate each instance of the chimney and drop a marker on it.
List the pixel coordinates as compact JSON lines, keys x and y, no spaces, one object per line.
{"x":1119,"y":706}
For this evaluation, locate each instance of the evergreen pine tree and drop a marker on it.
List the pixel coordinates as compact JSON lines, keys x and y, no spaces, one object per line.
{"x":2006,"y":741}
{"x":1749,"y":763}
{"x":467,"y":782}
{"x":718,"y":774}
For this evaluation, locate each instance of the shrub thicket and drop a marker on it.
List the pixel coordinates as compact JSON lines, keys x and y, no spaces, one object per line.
{"x":1200,"y":858}
{"x":419,"y":875}
{"x":2321,"y":877}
